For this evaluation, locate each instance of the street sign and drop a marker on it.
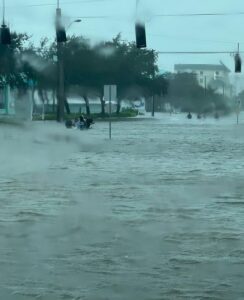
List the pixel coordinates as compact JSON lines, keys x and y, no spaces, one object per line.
{"x":110,"y":93}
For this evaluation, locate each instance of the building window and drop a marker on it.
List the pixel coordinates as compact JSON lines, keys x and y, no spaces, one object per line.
{"x":201,"y":72}
{"x":201,"y":81}
{"x":217,"y":73}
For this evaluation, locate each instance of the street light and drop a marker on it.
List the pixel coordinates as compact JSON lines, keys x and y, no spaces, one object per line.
{"x":75,"y":21}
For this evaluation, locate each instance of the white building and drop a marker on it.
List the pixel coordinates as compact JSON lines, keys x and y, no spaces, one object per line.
{"x":209,"y":76}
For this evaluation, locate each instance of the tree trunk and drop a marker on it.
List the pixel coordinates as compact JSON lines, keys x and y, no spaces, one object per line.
{"x":33,"y":99}
{"x":47,"y":100}
{"x":66,"y":104}
{"x":102,"y":106}
{"x":40,"y":92}
{"x":118,"y":107}
{"x":153,"y":105}
{"x":53,"y":97}
{"x":43,"y":111}
{"x":88,"y":112}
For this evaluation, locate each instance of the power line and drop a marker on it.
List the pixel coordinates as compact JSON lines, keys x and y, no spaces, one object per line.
{"x":157,"y":15}
{"x":96,"y":17}
{"x":200,"y":14}
{"x":197,"y":52}
{"x":55,"y":4}
{"x":184,"y":38}
{"x":191,"y":39}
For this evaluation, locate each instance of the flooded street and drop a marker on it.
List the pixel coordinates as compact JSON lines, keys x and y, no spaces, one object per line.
{"x":156,"y":213}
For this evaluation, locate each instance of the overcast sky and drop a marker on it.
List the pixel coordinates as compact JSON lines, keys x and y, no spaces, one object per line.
{"x":218,"y":33}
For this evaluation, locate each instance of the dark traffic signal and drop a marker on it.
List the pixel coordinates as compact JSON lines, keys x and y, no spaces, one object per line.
{"x":237,"y":63}
{"x":60,"y":29}
{"x":5,"y":35}
{"x":61,"y":35}
{"x":141,"y":41}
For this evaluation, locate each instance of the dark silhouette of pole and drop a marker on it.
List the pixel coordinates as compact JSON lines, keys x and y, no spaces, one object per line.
{"x":3,"y":12}
{"x":60,"y":69}
{"x":153,"y":105}
{"x":110,"y":112}
{"x":153,"y":95}
{"x":60,"y":90}
{"x":205,"y":85}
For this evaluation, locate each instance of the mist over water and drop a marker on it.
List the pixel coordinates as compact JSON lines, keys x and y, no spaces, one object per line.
{"x":156,"y":213}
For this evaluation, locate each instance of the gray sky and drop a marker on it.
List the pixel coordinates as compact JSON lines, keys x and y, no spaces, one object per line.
{"x":167,"y":33}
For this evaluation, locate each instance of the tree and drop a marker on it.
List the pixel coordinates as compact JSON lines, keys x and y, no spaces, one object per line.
{"x":130,"y":67}
{"x":112,"y":62}
{"x":10,"y":70}
{"x":186,"y":94}
{"x":87,"y":69}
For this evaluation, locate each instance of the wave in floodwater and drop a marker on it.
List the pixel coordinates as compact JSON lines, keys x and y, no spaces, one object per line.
{"x":156,"y":213}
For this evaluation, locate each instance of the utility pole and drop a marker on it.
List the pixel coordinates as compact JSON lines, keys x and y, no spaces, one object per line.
{"x":60,"y":90}
{"x":238,"y":110}
{"x":153,"y":105}
{"x":153,"y":95}
{"x":60,"y":69}
{"x":205,"y":85}
{"x":110,"y":112}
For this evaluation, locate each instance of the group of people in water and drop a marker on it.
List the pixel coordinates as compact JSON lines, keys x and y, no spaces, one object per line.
{"x":79,"y":123}
{"x":199,"y":116}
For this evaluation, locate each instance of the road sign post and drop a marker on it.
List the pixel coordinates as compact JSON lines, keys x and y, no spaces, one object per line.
{"x":110,"y":94}
{"x":238,"y":110}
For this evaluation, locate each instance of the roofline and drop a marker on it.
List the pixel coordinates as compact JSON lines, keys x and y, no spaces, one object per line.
{"x":221,"y":65}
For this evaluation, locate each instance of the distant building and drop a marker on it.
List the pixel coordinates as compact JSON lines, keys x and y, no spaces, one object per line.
{"x":214,"y":76}
{"x":76,"y":105}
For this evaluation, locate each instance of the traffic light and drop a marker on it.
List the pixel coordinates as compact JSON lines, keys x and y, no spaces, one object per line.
{"x":60,"y":29}
{"x":141,"y":41}
{"x":61,"y":35}
{"x":5,"y":35}
{"x":237,"y":63}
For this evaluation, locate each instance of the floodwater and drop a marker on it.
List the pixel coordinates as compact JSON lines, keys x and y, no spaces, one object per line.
{"x":156,"y":213}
